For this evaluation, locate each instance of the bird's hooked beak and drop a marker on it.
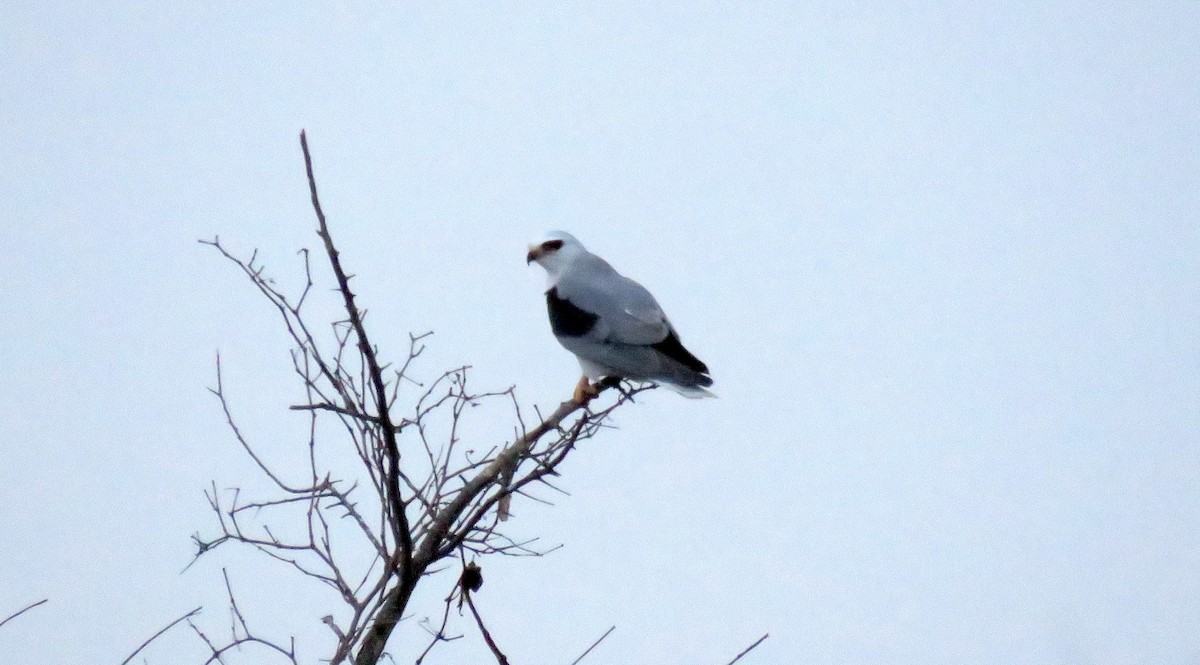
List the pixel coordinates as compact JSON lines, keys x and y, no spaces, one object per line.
{"x":534,"y":252}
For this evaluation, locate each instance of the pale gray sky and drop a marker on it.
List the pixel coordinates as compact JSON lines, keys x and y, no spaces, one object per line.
{"x":943,"y":260}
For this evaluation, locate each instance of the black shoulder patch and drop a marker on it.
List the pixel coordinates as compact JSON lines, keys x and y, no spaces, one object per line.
{"x":566,"y":319}
{"x":672,"y":348}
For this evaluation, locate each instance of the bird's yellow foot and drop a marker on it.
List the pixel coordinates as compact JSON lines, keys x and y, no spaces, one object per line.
{"x":585,"y":391}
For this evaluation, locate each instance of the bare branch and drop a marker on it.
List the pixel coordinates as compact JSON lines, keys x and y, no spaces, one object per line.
{"x":501,"y":659}
{"x":24,"y":610}
{"x":352,"y":413}
{"x":156,"y":635}
{"x":219,"y":391}
{"x":239,"y":633}
{"x":440,"y":635}
{"x":392,"y":451}
{"x":217,"y":651}
{"x":594,"y":645}
{"x":748,"y":649}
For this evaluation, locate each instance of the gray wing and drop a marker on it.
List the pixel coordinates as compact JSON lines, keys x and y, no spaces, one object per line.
{"x":625,"y":311}
{"x":614,"y":322}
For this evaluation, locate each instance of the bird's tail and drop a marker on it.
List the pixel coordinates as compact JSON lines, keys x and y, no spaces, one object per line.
{"x":691,"y":392}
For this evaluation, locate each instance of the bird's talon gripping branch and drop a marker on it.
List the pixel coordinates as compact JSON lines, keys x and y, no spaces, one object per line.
{"x":585,"y":391}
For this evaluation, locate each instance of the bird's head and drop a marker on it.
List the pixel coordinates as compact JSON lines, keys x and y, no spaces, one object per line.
{"x":554,"y":250}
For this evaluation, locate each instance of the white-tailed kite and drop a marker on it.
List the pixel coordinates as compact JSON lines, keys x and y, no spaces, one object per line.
{"x":611,"y":323}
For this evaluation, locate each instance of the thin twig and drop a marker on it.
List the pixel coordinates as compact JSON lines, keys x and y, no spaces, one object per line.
{"x":155,"y":636}
{"x":747,"y":649}
{"x":594,"y":644}
{"x":487,"y":637}
{"x":440,"y":634}
{"x":24,"y":610}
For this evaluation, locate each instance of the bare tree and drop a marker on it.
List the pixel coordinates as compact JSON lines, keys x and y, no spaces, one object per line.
{"x":418,"y":500}
{"x":421,"y":498}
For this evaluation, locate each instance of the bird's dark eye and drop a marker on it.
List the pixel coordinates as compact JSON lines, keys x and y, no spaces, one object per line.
{"x":552,"y":245}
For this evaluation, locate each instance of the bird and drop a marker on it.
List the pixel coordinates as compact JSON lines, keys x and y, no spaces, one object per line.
{"x":611,"y":323}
